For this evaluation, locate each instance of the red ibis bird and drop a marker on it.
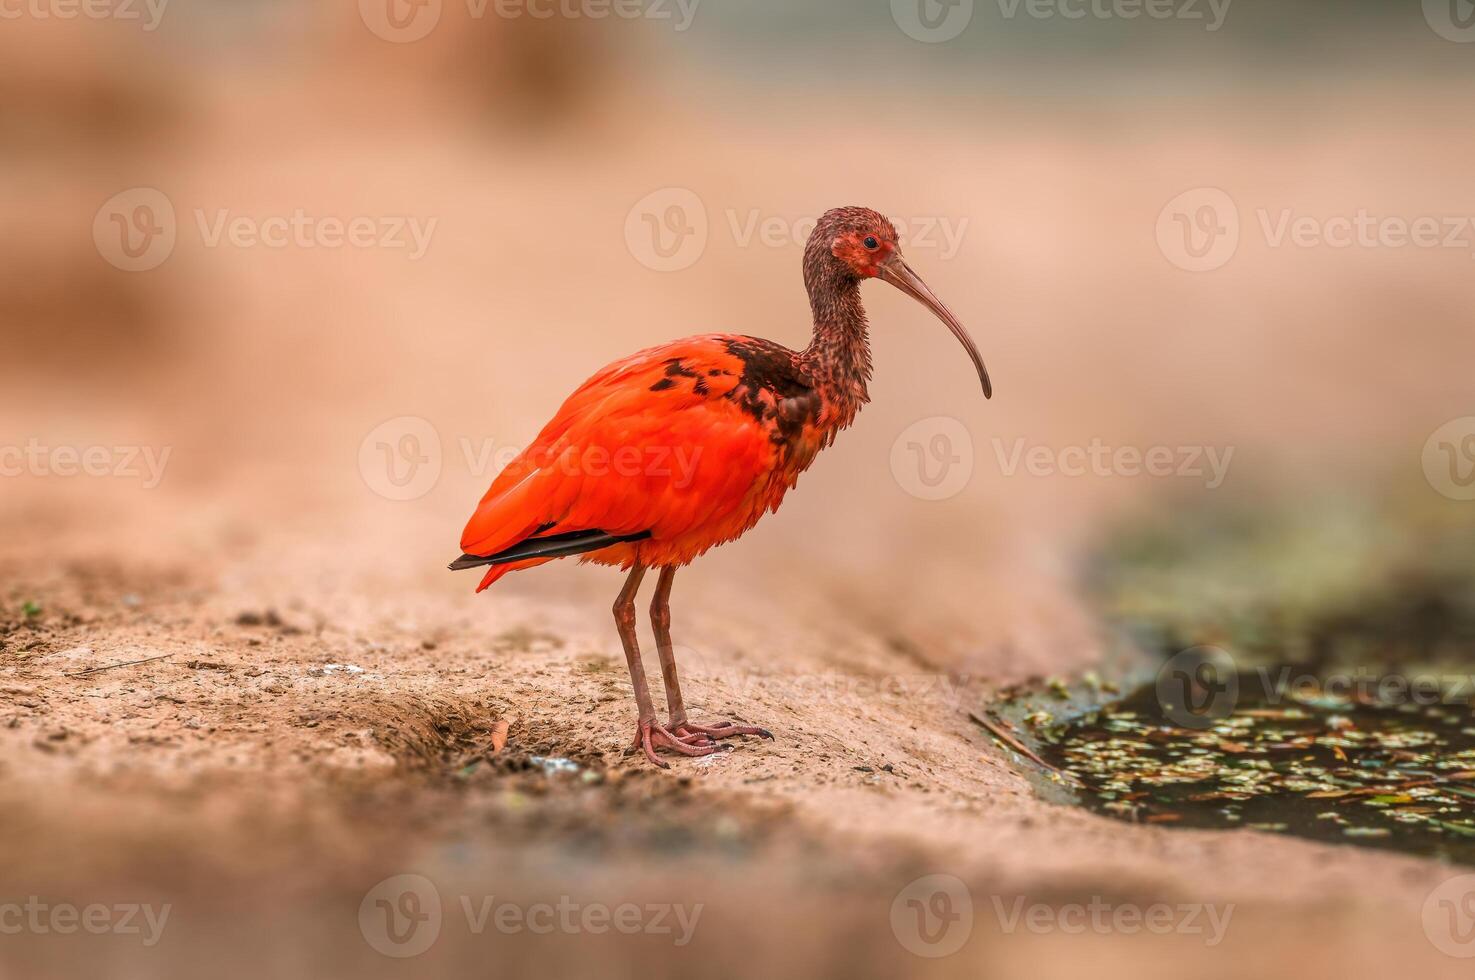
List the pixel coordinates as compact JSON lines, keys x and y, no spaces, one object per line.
{"x":682,"y":447}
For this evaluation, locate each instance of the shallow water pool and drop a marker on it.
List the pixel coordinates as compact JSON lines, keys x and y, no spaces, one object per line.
{"x":1299,"y":762}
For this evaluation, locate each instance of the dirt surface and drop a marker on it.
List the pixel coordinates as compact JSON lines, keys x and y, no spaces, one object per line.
{"x":290,"y":750}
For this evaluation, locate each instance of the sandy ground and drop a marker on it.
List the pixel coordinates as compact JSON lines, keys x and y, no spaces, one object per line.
{"x":319,"y":716}
{"x":293,"y":749}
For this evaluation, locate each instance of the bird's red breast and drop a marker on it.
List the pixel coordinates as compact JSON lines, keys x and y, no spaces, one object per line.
{"x":691,"y":441}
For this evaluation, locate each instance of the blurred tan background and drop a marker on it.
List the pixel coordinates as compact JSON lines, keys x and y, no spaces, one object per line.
{"x":211,"y":268}
{"x":1035,"y":157}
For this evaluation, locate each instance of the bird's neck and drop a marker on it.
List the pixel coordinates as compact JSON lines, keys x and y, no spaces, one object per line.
{"x":838,"y":357}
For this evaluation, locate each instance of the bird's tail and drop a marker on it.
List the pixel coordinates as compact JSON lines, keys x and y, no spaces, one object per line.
{"x":497,"y":571}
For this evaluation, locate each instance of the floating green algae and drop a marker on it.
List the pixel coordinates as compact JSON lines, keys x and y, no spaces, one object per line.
{"x":1297,"y":761}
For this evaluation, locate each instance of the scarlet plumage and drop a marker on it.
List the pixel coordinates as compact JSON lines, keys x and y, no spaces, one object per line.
{"x":692,"y":441}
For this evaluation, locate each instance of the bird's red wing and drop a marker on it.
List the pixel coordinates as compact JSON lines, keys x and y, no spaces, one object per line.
{"x":650,"y":443}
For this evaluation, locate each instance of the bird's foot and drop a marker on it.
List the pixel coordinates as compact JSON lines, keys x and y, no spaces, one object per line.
{"x":651,"y":735}
{"x":721,"y":729}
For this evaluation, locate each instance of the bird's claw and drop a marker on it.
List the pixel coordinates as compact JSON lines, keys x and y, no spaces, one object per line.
{"x":722,"y":729}
{"x":651,"y":735}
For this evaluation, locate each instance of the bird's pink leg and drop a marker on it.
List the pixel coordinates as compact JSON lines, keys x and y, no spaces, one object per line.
{"x":649,"y":733}
{"x":660,"y":623}
{"x":660,"y":619}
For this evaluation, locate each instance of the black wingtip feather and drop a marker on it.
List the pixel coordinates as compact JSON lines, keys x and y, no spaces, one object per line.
{"x":552,"y":546}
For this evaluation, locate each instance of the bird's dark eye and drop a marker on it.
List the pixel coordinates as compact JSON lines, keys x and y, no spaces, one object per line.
{"x":871,"y":243}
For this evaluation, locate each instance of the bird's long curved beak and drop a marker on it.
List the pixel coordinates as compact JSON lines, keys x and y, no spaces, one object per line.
{"x":900,"y":275}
